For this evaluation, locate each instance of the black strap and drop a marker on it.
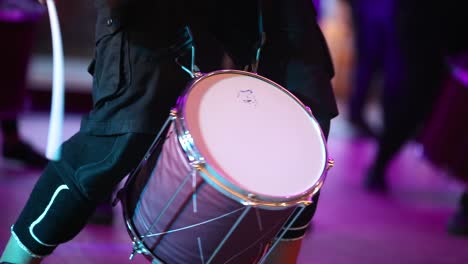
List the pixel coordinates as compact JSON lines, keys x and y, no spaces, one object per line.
{"x":261,"y":41}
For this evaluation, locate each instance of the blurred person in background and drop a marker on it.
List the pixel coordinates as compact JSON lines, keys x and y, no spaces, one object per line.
{"x":18,"y":19}
{"x":454,"y":101}
{"x":417,"y":78}
{"x":376,"y":57}
{"x":430,"y":97}
{"x":445,"y":137}
{"x":453,"y":108}
{"x":458,"y":223}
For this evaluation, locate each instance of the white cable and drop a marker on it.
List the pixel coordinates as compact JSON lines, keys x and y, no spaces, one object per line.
{"x":54,"y":138}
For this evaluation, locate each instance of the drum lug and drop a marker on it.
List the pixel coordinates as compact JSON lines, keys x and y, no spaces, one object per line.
{"x":197,"y":73}
{"x":138,"y":248}
{"x":198,"y":164}
{"x":330,"y":163}
{"x":173,"y":113}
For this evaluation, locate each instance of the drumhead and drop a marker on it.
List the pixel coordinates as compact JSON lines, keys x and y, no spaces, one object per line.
{"x":254,"y":134}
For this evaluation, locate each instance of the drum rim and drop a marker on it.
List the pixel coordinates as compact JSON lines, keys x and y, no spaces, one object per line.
{"x":223,"y":184}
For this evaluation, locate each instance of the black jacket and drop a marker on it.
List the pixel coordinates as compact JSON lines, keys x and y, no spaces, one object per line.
{"x":136,"y":79}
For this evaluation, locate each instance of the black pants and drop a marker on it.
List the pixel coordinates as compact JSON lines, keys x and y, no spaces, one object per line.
{"x":68,"y":191}
{"x":301,"y":225}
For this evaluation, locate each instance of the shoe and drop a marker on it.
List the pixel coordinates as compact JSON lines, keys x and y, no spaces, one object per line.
{"x":458,"y":225}
{"x":23,"y":152}
{"x":103,"y":215}
{"x":375,"y":181}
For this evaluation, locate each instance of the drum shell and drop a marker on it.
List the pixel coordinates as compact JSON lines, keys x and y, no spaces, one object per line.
{"x":445,"y":138}
{"x":153,"y":187}
{"x":239,"y":172}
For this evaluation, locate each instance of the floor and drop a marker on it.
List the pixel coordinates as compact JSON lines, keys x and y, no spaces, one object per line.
{"x":351,"y":225}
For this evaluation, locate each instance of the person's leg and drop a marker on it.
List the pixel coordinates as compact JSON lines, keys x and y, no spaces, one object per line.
{"x":15,"y":54}
{"x":288,"y":249}
{"x":369,"y":54}
{"x":13,"y":251}
{"x":10,"y":130}
{"x":458,"y":224}
{"x":413,"y":71}
{"x":388,"y":146}
{"x":399,"y":125}
{"x":53,"y":210}
{"x":15,"y":148}
{"x":405,"y":110}
{"x":68,"y":191}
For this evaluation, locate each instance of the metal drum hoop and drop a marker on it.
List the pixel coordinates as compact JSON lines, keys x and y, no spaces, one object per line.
{"x":220,"y":183}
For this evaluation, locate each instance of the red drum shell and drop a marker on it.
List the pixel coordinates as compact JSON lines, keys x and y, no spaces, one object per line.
{"x":263,"y":155}
{"x":147,"y":197}
{"x":445,"y":138}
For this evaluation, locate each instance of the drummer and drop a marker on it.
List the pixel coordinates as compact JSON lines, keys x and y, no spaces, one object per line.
{"x":136,"y":81}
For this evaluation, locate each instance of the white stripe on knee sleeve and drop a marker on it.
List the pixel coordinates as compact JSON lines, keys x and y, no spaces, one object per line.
{"x":39,"y":219}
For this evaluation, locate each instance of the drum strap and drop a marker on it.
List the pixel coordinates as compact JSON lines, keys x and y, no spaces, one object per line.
{"x":194,"y":71}
{"x":253,"y":67}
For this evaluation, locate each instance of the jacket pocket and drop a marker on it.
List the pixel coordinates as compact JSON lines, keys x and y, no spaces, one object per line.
{"x":106,"y":77}
{"x":106,"y":67}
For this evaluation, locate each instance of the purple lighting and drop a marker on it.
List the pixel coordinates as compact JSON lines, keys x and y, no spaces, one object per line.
{"x":20,"y":10}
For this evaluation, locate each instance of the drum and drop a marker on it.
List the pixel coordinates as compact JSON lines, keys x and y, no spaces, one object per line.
{"x":239,"y":156}
{"x":445,"y":138}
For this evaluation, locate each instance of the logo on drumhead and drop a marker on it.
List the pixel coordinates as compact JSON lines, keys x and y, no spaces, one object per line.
{"x":247,"y":97}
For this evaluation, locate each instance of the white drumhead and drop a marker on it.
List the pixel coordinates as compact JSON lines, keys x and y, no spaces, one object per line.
{"x":255,"y":134}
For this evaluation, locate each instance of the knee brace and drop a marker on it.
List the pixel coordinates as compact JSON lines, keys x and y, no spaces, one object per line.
{"x":53,"y":214}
